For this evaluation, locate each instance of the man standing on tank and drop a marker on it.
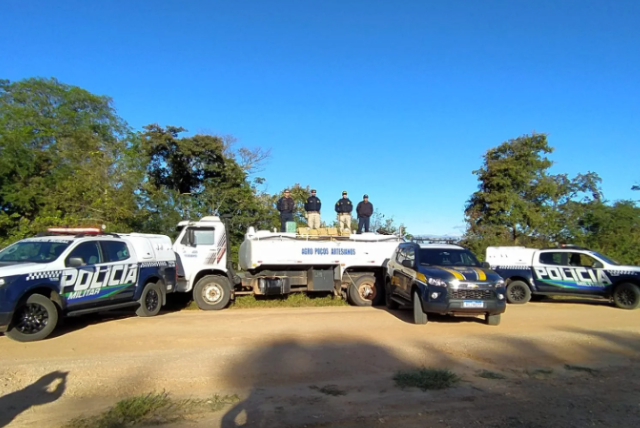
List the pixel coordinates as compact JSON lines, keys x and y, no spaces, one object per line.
{"x":344,"y":208}
{"x":364,"y":211}
{"x":286,"y":207}
{"x":312,"y":207}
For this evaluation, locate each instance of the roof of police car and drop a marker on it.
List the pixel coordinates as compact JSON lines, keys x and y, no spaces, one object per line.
{"x":442,"y":246}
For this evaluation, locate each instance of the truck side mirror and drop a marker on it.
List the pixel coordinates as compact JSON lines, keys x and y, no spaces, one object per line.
{"x":407,"y":263}
{"x":75,"y":262}
{"x":486,"y":265}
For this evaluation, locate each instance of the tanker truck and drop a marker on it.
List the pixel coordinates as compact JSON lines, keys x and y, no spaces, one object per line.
{"x":278,"y":263}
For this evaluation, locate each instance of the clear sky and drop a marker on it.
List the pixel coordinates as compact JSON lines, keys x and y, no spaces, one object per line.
{"x":397,"y":99}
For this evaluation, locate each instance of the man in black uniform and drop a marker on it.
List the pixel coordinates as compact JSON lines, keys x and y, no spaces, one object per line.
{"x":286,"y":207}
{"x":312,"y":207}
{"x":344,"y":208}
{"x":364,"y":211}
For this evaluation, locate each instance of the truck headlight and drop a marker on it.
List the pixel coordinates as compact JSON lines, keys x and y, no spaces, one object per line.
{"x":499,"y":283}
{"x":437,"y":282}
{"x":1,"y":282}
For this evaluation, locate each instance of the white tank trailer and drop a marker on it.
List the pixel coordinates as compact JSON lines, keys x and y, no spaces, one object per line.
{"x":282,"y":263}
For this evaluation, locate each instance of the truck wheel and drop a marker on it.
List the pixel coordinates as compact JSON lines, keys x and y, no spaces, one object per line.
{"x":212,"y":293}
{"x":492,"y":319}
{"x":419,"y":317}
{"x":150,"y":301}
{"x":391,"y":304}
{"x":35,"y":319}
{"x":365,"y":292}
{"x":627,"y":296}
{"x":518,"y":292}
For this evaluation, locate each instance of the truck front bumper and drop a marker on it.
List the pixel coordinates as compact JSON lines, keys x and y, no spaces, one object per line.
{"x":5,"y":320}
{"x":492,"y":307}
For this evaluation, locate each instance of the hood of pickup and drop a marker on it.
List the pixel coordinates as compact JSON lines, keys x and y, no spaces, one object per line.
{"x":461,"y":273}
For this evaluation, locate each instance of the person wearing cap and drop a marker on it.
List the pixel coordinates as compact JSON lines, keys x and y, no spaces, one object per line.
{"x":364,"y":211}
{"x":344,"y":208}
{"x":312,"y":207}
{"x":286,"y":206}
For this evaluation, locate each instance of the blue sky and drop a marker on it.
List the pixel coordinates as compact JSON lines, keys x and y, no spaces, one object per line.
{"x":395,"y":99}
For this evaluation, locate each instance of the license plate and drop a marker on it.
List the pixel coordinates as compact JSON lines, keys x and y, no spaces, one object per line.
{"x":472,"y":304}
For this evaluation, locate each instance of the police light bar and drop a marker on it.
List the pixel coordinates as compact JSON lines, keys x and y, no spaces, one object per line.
{"x":74,"y":230}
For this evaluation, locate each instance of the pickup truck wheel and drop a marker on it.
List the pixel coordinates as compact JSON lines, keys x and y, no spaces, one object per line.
{"x":419,"y":317}
{"x":492,"y":319}
{"x":364,"y":291}
{"x":627,"y":296}
{"x":212,"y":293}
{"x":518,"y":292}
{"x":35,"y":319}
{"x":391,"y":304}
{"x":150,"y":301}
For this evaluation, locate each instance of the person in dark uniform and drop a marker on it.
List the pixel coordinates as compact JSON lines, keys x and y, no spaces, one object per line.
{"x":285,"y":206}
{"x":364,"y":211}
{"x":312,"y":207}
{"x":344,"y":208}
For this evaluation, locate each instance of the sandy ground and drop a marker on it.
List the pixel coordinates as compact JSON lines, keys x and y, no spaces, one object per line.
{"x":277,"y":359}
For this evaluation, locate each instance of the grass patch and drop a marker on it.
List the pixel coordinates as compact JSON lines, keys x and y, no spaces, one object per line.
{"x":329,"y":390}
{"x":293,"y":300}
{"x":584,"y":369}
{"x":426,"y":378}
{"x":151,"y":409}
{"x":541,"y":373}
{"x":487,"y":374}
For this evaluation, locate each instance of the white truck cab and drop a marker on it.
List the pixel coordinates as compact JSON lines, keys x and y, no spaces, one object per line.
{"x":275,"y":263}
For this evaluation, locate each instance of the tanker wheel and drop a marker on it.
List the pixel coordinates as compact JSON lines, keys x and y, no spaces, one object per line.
{"x":365,"y":291}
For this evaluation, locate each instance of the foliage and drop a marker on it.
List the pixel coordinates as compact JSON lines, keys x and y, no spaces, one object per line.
{"x":65,"y":158}
{"x":426,"y":378}
{"x":519,"y":203}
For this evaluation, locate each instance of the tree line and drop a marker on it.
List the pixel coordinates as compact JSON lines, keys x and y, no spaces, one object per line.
{"x":67,"y":158}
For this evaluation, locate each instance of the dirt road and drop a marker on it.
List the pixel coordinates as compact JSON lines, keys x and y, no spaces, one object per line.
{"x":279,"y":361}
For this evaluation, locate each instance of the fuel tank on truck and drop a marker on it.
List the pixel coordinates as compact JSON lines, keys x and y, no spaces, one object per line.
{"x":264,"y":248}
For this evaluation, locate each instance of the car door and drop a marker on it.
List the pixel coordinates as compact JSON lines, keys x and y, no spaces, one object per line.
{"x":119,"y":272}
{"x":197,"y":248}
{"x":588,"y":273}
{"x":405,"y":271}
{"x":566,"y":272}
{"x":77,"y":279}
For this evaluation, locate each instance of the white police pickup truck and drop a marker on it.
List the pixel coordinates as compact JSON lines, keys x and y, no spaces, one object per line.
{"x":73,"y":272}
{"x":566,"y":270}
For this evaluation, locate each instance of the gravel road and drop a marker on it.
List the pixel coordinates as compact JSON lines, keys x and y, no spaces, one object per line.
{"x":278,"y":360}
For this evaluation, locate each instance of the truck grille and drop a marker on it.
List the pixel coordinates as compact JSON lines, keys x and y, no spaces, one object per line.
{"x":471,"y":294}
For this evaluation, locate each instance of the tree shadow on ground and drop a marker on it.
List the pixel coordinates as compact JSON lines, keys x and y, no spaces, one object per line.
{"x":295,"y":383}
{"x":45,"y":390}
{"x":405,"y":314}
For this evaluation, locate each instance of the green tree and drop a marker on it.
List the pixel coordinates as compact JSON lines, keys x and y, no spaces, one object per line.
{"x":518,"y":202}
{"x":65,"y":158}
{"x":191,"y":177}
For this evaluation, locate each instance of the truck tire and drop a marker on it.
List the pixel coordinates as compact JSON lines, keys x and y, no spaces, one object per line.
{"x":419,"y":317}
{"x":627,"y":296}
{"x":391,"y":304}
{"x":518,"y":292}
{"x":212,"y":293}
{"x":492,"y":319}
{"x":151,"y":300}
{"x":365,"y":292}
{"x":34,"y":319}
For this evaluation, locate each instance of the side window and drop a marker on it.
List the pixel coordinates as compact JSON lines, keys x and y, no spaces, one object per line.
{"x":115,"y":251}
{"x":554,"y":258}
{"x":88,"y":252}
{"x":410,"y":254}
{"x":198,"y":236}
{"x":581,"y":259}
{"x":400,"y":256}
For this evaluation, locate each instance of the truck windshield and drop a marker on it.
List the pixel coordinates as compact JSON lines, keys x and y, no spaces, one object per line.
{"x":605,"y":258}
{"x":447,"y":257}
{"x":33,"y":251}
